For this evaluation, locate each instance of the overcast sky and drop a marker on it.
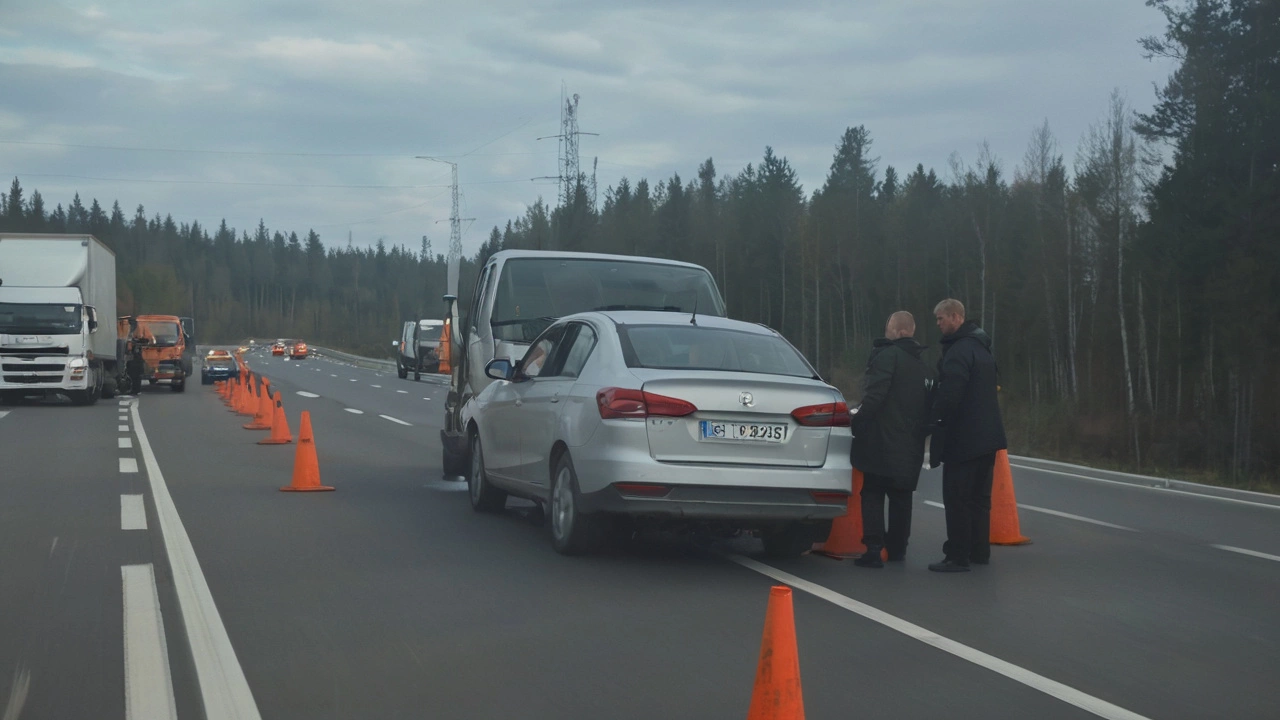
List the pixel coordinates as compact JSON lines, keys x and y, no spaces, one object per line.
{"x":248,"y":109}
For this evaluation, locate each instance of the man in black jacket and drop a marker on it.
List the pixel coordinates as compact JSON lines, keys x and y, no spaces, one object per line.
{"x":967,"y":433}
{"x":888,"y":445}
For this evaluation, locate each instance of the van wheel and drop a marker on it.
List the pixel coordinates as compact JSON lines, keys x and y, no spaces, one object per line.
{"x":572,"y":532}
{"x":484,"y":497}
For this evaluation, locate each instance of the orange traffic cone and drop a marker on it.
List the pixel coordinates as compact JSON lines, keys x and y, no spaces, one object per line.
{"x":280,"y":434}
{"x":845,"y":540}
{"x":444,"y":351}
{"x":1004,"y":506}
{"x":233,"y":398}
{"x":262,"y":418}
{"x":306,"y":469}
{"x":249,"y":403}
{"x":777,"y":694}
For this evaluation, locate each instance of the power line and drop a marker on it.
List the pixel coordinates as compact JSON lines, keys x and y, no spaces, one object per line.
{"x":262,"y":153}
{"x":260,"y":184}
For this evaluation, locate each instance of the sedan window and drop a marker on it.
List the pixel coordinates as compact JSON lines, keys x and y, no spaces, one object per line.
{"x":686,"y":347}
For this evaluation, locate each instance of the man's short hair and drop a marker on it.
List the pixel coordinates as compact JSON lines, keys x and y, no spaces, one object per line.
{"x":950,"y":306}
{"x":904,"y":321}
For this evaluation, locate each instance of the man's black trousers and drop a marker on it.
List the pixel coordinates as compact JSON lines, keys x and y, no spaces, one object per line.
{"x":875,"y":488}
{"x":966,"y":493}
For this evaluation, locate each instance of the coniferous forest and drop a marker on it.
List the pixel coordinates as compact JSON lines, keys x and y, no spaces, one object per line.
{"x":1131,"y":290}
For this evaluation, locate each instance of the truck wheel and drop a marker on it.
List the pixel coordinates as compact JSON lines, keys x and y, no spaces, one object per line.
{"x":110,"y":388}
{"x":179,"y":386}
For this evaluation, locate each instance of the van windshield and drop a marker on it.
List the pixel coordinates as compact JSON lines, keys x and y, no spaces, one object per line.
{"x":534,"y":291}
{"x":166,"y":334}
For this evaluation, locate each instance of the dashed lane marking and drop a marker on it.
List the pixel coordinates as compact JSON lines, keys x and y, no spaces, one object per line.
{"x":1251,"y":553}
{"x":133,"y":513}
{"x":1058,"y":513}
{"x":394,"y":420}
{"x":354,"y":411}
{"x":3,"y":413}
{"x":306,"y":394}
{"x":223,"y":687}
{"x":125,"y":443}
{"x":1053,"y":688}
{"x":128,"y":465}
{"x":377,"y":386}
{"x":148,"y":685}
{"x":124,"y":428}
{"x":332,"y":375}
{"x":354,"y":380}
{"x":402,"y":392}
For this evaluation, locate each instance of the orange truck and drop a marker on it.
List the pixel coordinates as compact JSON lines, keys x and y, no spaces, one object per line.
{"x":156,"y":347}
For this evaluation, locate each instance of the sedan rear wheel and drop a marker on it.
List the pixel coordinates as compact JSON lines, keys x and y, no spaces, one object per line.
{"x":484,"y":497}
{"x":572,"y":532}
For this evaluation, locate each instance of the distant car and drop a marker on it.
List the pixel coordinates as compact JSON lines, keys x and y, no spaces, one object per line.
{"x":218,"y":367}
{"x":277,"y":349}
{"x":627,"y":416}
{"x":298,"y":351}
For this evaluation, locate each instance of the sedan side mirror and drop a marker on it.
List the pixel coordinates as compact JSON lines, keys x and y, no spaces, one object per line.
{"x":500,"y":369}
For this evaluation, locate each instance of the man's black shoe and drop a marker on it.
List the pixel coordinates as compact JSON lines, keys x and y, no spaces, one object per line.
{"x":870,"y":558}
{"x":897,"y":558}
{"x":976,"y":561}
{"x":948,"y":566}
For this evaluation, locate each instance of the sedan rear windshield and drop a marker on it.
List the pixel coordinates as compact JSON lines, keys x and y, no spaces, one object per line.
{"x":534,"y":291}
{"x":220,"y":362}
{"x":689,"y":347}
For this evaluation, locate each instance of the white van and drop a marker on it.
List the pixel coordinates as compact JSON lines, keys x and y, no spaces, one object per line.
{"x":519,"y":293}
{"x":417,"y":350}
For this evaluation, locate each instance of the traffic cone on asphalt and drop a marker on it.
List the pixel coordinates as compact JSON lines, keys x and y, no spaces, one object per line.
{"x":306,"y":469}
{"x":262,"y":418}
{"x":249,"y":404}
{"x":1004,"y":506}
{"x":233,"y":399}
{"x":280,"y":434}
{"x":845,"y":540}
{"x":777,"y":694}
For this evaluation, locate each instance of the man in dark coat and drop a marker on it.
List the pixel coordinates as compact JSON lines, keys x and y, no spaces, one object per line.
{"x":888,"y":444}
{"x":967,"y":433}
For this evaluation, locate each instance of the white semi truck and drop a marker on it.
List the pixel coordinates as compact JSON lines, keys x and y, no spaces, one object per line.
{"x":57,"y":317}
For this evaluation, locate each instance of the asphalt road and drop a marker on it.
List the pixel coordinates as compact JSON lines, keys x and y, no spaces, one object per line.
{"x":389,"y":598}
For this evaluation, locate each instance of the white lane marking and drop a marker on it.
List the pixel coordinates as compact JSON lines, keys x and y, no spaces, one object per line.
{"x":1069,"y":516}
{"x":306,"y":394}
{"x":426,"y":398}
{"x":353,"y":380}
{"x":1047,"y":511}
{"x":1253,"y":553}
{"x":124,"y":403}
{"x":354,"y":411}
{"x":3,"y":413}
{"x":1269,"y":506}
{"x":377,"y":386}
{"x":125,"y":443}
{"x":128,"y":465}
{"x":395,"y":420}
{"x":333,"y":375}
{"x":1053,"y":688}
{"x":148,"y":684}
{"x":403,"y":392}
{"x":223,"y":687}
{"x":17,"y":692}
{"x":124,"y":428}
{"x":133,"y":513}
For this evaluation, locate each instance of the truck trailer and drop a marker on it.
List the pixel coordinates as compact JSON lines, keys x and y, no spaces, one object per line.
{"x":57,"y":317}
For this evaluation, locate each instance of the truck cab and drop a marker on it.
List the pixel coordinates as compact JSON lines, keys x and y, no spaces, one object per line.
{"x":157,"y":350}
{"x":519,"y":293}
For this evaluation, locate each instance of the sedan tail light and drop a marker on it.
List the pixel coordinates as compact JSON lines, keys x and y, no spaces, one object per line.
{"x":831,"y":497}
{"x":620,"y":403}
{"x":642,"y":489}
{"x":825,"y":415}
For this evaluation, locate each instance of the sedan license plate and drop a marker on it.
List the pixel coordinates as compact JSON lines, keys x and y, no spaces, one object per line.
{"x":743,"y":432}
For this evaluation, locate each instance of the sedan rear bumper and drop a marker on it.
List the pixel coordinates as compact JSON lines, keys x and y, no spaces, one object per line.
{"x":716,"y":503}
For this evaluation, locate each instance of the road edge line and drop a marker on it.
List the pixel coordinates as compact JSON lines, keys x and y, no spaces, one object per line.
{"x":148,"y":679}
{"x":1033,"y":680}
{"x":224,"y":691}
{"x":1122,"y":483}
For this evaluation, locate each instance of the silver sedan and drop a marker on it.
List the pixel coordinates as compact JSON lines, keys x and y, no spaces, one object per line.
{"x":661,"y":417}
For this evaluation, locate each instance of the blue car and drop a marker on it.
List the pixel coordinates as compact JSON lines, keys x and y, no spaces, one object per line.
{"x":219,"y":366}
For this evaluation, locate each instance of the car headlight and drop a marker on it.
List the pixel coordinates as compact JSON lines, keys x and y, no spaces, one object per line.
{"x":76,"y":363}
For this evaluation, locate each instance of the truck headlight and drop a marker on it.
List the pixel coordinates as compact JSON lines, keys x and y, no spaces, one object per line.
{"x":76,"y":363}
